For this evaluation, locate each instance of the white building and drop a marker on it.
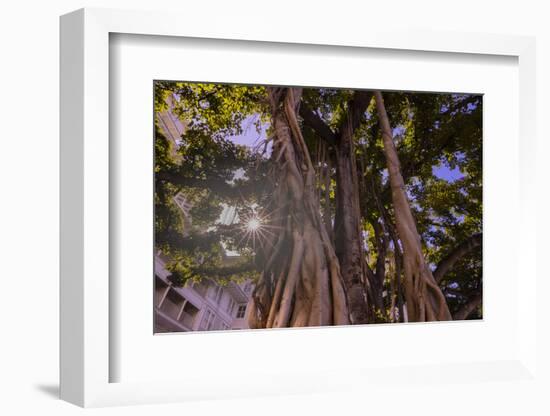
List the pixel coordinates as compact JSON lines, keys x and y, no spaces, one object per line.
{"x":171,"y":126}
{"x":204,"y":306}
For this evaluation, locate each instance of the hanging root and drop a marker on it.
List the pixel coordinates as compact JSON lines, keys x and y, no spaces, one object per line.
{"x":425,"y":301}
{"x":308,"y":290}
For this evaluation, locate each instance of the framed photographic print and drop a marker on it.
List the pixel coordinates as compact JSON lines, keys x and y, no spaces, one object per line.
{"x":284,"y":213}
{"x":281,"y":207}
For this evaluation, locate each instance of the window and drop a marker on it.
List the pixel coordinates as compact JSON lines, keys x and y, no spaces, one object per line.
{"x":216,"y":293}
{"x":182,"y":203}
{"x":219,"y":295}
{"x":230,"y":306}
{"x":241,"y":311}
{"x":207,"y":320}
{"x":213,"y":291}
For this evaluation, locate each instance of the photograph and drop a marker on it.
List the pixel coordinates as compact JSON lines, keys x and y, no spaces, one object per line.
{"x":292,"y":206}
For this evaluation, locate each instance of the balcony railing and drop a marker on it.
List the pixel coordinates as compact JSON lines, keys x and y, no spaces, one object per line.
{"x":170,"y":308}
{"x":187,"y":319}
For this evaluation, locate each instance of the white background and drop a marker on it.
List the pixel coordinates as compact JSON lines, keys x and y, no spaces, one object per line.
{"x":29,"y":178}
{"x":137,"y":60}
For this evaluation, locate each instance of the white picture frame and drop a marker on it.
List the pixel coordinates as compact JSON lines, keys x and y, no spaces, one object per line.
{"x":85,"y":351}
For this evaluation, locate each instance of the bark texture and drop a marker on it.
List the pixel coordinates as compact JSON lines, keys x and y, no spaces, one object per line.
{"x":425,"y":300}
{"x":301,"y":284}
{"x":348,"y":236}
{"x":347,"y":225}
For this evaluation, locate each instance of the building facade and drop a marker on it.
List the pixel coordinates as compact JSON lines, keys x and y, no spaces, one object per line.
{"x":204,"y":306}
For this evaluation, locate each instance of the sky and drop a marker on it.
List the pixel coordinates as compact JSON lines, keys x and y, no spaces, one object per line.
{"x":446,"y":173}
{"x":251,"y":138}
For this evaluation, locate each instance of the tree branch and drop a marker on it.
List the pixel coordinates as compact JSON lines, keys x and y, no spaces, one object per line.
{"x":468,"y":308}
{"x":356,"y":108}
{"x":313,"y":121}
{"x":460,"y":251}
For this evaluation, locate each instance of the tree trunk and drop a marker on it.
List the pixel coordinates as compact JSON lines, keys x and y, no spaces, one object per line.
{"x":348,"y":235}
{"x":301,"y":284}
{"x":347,"y":230}
{"x":425,"y":300}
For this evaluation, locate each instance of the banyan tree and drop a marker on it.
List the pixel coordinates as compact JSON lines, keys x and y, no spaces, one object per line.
{"x":347,"y":206}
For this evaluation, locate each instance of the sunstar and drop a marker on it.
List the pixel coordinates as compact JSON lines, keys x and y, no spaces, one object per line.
{"x":253,"y":224}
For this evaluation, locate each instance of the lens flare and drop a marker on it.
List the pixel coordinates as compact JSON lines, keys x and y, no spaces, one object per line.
{"x":257,"y":228}
{"x":253,"y":224}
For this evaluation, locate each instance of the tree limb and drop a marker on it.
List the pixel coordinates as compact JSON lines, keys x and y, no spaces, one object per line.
{"x":356,"y":108}
{"x":468,"y":307}
{"x":425,"y":300}
{"x":312,"y":120}
{"x":460,"y":251}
